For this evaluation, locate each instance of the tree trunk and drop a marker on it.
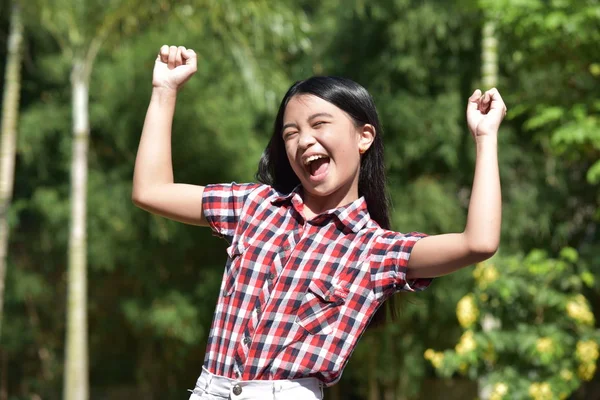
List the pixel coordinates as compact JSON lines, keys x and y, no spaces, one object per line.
{"x":76,"y":359}
{"x":10,"y":116}
{"x":489,"y":56}
{"x":3,"y":375}
{"x":489,"y":72}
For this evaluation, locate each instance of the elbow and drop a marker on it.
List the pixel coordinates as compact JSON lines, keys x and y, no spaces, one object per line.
{"x":481,"y":245}
{"x":138,"y":198}
{"x":481,"y":250}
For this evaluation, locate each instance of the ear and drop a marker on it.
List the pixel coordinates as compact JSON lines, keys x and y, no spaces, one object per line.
{"x":366,"y":137}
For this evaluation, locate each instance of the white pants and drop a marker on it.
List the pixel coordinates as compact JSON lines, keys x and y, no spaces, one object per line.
{"x":215,"y":387}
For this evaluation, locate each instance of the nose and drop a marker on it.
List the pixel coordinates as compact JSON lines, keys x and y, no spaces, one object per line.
{"x":306,"y":139}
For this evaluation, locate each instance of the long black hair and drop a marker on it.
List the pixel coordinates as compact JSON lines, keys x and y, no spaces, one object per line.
{"x":274,"y":167}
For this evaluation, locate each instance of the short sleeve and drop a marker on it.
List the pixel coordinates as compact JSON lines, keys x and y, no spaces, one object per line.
{"x":222,"y":205}
{"x":389,"y":263}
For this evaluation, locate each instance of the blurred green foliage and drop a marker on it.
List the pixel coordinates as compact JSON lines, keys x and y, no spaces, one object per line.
{"x":153,"y":283}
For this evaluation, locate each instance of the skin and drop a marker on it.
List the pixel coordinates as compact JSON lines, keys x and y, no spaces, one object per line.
{"x":314,"y":126}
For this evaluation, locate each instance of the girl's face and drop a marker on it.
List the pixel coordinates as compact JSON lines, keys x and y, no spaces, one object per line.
{"x":324,"y":147}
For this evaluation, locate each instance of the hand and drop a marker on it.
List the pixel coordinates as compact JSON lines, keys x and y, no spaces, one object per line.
{"x":174,"y":66}
{"x":485,"y":113}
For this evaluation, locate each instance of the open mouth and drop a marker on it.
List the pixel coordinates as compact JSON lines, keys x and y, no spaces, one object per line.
{"x":317,"y":165}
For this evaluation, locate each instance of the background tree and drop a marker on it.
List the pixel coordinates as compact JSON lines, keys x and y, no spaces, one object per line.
{"x":10,"y":116}
{"x":80,"y":29}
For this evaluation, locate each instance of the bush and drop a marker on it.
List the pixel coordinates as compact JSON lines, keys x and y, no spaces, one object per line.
{"x":528,"y":329}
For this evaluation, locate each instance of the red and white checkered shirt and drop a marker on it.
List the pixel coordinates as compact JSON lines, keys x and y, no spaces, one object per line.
{"x":297,"y":295}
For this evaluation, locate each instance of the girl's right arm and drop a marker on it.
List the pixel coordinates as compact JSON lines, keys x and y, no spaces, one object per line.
{"x":154,"y":188}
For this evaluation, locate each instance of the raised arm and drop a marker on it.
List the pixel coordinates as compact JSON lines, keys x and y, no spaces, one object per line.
{"x":154,"y":189}
{"x":442,"y":254}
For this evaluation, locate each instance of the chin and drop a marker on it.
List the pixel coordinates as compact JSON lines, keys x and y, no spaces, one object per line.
{"x":321,"y":189}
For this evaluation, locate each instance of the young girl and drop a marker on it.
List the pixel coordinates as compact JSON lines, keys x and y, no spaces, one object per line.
{"x":311,"y":255}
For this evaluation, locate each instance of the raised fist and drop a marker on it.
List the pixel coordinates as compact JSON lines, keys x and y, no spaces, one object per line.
{"x":173,"y":67}
{"x":485,"y":112}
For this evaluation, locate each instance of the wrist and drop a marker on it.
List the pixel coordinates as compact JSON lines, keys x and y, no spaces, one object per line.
{"x":487,"y":146}
{"x":163,"y":94}
{"x":486,"y":140}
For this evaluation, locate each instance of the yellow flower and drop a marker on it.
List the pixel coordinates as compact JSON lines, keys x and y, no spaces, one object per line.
{"x":541,"y":391}
{"x":478,"y":271}
{"x":586,"y":371}
{"x":434,"y":357}
{"x":466,"y":311}
{"x":579,"y":309}
{"x":484,"y":274}
{"x":429,"y":353}
{"x":566,"y":374}
{"x":501,"y":388}
{"x":437,"y":360}
{"x":499,"y":391}
{"x":544,"y":345}
{"x":587,"y":352}
{"x":466,"y":344}
{"x":490,"y":274}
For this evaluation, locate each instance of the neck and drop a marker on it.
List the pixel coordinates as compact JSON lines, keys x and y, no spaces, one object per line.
{"x":314,"y":204}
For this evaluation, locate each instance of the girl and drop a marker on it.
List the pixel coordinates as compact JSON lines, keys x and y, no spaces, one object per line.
{"x":311,"y":255}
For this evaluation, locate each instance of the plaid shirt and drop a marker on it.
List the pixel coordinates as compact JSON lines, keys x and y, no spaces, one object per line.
{"x":297,"y":295}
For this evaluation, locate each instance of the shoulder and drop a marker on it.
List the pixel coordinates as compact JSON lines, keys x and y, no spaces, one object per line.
{"x":239,"y":189}
{"x":386,"y":241}
{"x":234,"y":193}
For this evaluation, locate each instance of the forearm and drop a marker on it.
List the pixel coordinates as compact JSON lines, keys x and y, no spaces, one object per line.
{"x":482,"y":231}
{"x":153,"y":164}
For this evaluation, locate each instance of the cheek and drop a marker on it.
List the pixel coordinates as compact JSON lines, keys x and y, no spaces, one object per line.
{"x":349,"y":149}
{"x":290,"y":151}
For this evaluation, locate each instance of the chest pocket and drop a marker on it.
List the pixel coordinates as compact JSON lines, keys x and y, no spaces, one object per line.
{"x":320,"y":307}
{"x":235,"y":254}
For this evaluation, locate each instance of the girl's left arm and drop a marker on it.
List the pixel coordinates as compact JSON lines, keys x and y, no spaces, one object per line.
{"x":442,"y":254}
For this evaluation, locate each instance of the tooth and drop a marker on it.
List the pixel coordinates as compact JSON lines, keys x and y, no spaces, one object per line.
{"x":313,"y":158}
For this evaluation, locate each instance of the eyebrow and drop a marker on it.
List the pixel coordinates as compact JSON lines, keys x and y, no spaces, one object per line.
{"x":293,"y":125}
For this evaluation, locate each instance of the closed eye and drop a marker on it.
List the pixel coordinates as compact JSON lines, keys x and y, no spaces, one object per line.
{"x":288,"y":134}
{"x":319,"y":123}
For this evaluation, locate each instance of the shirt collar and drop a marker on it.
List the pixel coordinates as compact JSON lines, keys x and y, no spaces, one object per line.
{"x":354,"y":215}
{"x":282,"y":197}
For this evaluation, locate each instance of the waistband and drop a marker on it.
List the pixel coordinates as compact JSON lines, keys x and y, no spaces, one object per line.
{"x":235,"y":389}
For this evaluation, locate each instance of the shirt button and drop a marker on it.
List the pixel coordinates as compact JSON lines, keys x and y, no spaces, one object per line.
{"x":237,"y":390}
{"x":271,"y":276}
{"x":247,"y":340}
{"x":258,"y":310}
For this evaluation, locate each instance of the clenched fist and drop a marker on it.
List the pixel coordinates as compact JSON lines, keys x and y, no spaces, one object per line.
{"x":173,"y":67}
{"x":485,"y":112}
